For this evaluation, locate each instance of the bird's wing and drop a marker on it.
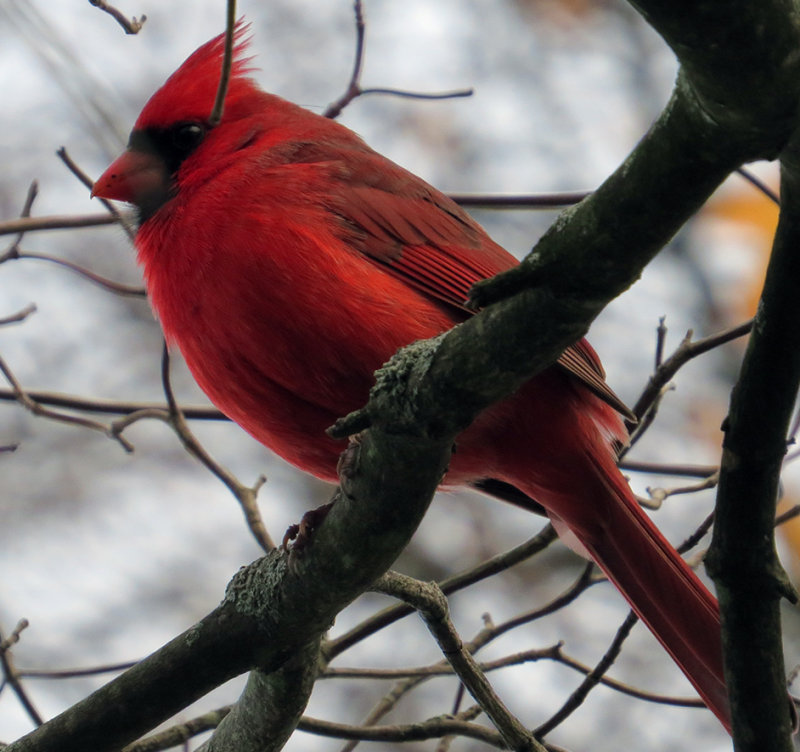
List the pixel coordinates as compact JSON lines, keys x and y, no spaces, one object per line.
{"x":421,"y":236}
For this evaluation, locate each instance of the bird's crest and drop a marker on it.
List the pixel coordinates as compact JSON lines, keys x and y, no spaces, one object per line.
{"x":189,"y":93}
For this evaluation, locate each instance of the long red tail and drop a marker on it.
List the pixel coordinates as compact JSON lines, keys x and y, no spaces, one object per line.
{"x":660,"y":587}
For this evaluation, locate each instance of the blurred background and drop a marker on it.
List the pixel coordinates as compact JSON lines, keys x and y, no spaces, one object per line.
{"x":109,"y":555}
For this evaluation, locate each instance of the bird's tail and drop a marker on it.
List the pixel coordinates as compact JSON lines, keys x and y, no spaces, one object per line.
{"x":660,"y":587}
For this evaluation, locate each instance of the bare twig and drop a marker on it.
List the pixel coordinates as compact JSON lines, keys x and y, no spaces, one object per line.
{"x":432,"y":728}
{"x":181,"y":733}
{"x":39,"y":410}
{"x":686,"y":351}
{"x":72,"y":673}
{"x":431,"y":603}
{"x":33,"y":190}
{"x":8,"y":642}
{"x":659,"y":495}
{"x":646,"y":406}
{"x":227,"y":64}
{"x":552,"y":653}
{"x":113,"y":407}
{"x":457,"y":582}
{"x":10,"y":674}
{"x":354,"y":89}
{"x":789,"y":514}
{"x":245,"y":495}
{"x":353,"y":86}
{"x":387,"y":702}
{"x":530,"y":201}
{"x":490,"y":631}
{"x":697,"y":535}
{"x":661,"y":338}
{"x":55,"y":222}
{"x":454,"y":94}
{"x":627,"y":689}
{"x":656,"y":468}
{"x":133,"y":291}
{"x":131,"y":26}
{"x":639,"y":429}
{"x":20,"y":315}
{"x":760,"y":184}
{"x":469,"y":714}
{"x":579,"y":695}
{"x":72,"y":166}
{"x":582,"y":583}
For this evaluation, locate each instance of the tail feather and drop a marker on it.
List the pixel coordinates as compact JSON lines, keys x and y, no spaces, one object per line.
{"x":660,"y":587}
{"x":665,"y":593}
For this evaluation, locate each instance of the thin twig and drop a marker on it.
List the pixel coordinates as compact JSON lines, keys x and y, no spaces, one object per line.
{"x":450,"y":585}
{"x":33,"y":191}
{"x":133,"y":291}
{"x":353,"y":85}
{"x":489,"y":633}
{"x":354,"y":89}
{"x":20,"y":315}
{"x":245,"y":495}
{"x":10,"y":674}
{"x":657,"y":468}
{"x":73,"y":673}
{"x":73,"y":167}
{"x":697,"y":535}
{"x":131,"y":26}
{"x":584,"y":581}
{"x":113,"y":407}
{"x":388,"y":702}
{"x":760,"y":184}
{"x":788,"y":515}
{"x":454,"y":94}
{"x":686,"y":351}
{"x":661,"y":338}
{"x":180,"y":734}
{"x":659,"y":495}
{"x":553,"y":653}
{"x":647,"y":405}
{"x":519,"y":201}
{"x":469,"y":714}
{"x":577,"y":698}
{"x":433,"y":728}
{"x":215,"y":117}
{"x":431,"y":603}
{"x":55,"y":222}
{"x":39,"y":410}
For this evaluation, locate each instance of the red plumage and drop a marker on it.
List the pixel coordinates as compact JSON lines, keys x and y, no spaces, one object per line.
{"x":289,"y":261}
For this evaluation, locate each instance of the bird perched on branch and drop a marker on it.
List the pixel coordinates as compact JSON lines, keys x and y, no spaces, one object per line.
{"x":288,"y":261}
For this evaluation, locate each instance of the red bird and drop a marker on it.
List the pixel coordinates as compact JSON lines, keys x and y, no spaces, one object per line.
{"x":289,"y":261}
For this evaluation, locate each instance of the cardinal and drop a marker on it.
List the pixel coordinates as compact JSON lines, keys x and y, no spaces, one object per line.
{"x":289,"y":261}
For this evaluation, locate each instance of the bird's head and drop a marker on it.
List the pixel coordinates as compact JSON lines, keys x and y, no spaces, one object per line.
{"x":175,"y":123}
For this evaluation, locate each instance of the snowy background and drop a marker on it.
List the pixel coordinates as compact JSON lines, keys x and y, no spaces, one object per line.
{"x":109,"y":555}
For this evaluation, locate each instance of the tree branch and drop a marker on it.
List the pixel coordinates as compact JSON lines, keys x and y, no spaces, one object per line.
{"x":430,"y":601}
{"x":271,"y":611}
{"x":742,"y":559}
{"x":270,"y":707}
{"x":130,"y":25}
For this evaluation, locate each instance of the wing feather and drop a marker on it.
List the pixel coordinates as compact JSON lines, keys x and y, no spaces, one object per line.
{"x":421,"y":236}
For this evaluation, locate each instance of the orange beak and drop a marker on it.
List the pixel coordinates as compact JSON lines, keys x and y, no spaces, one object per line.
{"x":136,"y":177}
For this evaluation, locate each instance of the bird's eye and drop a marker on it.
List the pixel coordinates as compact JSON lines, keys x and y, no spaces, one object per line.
{"x":186,"y":137}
